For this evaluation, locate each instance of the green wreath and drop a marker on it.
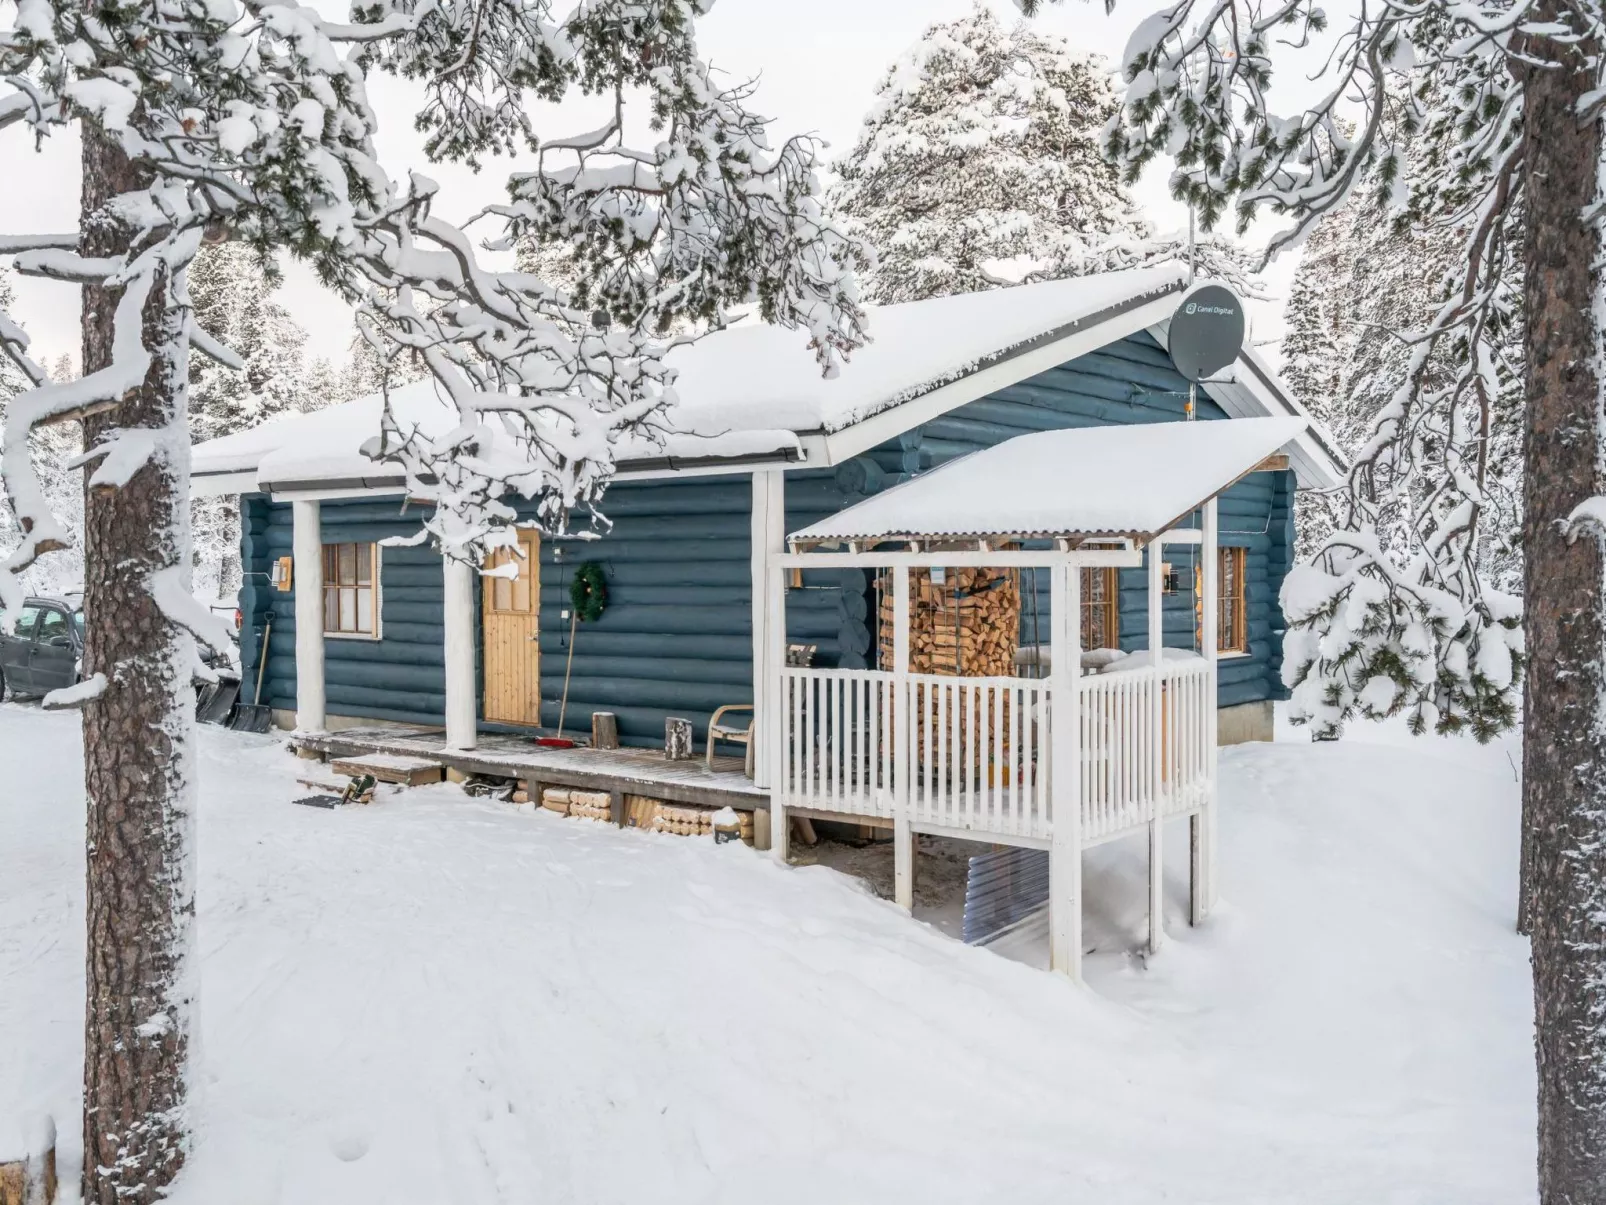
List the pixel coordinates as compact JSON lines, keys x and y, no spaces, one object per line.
{"x":588,"y":592}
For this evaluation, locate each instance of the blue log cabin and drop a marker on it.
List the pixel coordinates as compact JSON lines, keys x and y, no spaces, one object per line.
{"x":763,"y":446}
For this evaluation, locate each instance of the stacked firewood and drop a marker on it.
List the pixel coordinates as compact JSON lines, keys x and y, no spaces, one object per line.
{"x":967,"y":625}
{"x":566,"y":801}
{"x":698,"y":822}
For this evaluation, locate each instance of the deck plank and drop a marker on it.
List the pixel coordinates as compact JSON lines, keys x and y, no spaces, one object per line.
{"x":633,"y":771}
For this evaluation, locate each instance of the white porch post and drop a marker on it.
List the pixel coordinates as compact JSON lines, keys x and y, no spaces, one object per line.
{"x":1065,"y":769}
{"x":768,"y":536}
{"x":774,"y":732}
{"x":1156,"y":742}
{"x":458,"y":616}
{"x":1203,"y":877}
{"x":903,"y":839}
{"x":307,"y":548}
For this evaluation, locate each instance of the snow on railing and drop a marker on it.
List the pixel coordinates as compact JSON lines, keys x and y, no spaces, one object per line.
{"x":978,"y":748}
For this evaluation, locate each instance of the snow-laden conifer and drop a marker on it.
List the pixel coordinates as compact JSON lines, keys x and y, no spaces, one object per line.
{"x":981,"y":164}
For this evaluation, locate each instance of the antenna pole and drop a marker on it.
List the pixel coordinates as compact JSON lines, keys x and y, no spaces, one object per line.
{"x":1193,"y":397}
{"x":1190,"y":260}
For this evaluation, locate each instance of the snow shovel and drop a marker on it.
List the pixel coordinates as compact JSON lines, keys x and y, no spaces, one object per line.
{"x":254,"y":717}
{"x":216,"y":702}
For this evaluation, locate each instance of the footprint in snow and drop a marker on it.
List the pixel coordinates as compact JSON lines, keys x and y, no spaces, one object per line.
{"x":349,"y":1145}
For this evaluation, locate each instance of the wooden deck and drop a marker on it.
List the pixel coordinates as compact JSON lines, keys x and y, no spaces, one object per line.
{"x":617,"y":771}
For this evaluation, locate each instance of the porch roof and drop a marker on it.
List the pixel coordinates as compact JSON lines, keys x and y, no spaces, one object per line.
{"x":1116,"y":482}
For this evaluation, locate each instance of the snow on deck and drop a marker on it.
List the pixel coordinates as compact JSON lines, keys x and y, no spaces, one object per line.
{"x":1116,"y":480}
{"x":438,"y":998}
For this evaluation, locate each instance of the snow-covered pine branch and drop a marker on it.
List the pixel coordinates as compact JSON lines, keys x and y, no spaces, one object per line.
{"x":1433,"y":81}
{"x":1508,"y":100}
{"x":256,"y":120}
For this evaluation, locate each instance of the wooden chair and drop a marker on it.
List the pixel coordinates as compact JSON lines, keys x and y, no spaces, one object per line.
{"x":730,"y":733}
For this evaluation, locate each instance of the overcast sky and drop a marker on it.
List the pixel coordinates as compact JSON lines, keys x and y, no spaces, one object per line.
{"x":818,"y":66}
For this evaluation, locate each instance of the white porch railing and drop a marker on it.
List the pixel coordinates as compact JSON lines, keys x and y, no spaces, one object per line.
{"x":1126,"y":764}
{"x":978,"y":749}
{"x":837,"y":753}
{"x":979,"y":755}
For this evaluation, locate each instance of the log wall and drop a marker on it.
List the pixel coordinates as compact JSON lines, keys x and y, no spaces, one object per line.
{"x":677,"y":637}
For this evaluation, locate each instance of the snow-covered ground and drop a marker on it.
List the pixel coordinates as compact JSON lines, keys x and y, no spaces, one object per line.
{"x":440,"y":999}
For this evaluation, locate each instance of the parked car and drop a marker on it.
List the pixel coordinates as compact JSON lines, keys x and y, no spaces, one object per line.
{"x":46,"y":651}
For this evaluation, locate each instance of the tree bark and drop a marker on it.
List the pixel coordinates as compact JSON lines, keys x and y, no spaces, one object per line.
{"x":1564,"y":779}
{"x":138,"y":768}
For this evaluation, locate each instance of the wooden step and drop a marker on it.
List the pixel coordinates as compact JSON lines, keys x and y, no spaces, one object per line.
{"x":391,"y":767}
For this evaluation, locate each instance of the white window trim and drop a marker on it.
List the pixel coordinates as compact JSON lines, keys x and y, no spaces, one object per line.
{"x":378,"y":633}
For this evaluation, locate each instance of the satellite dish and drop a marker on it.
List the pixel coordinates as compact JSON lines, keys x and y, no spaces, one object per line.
{"x":1207,"y":332}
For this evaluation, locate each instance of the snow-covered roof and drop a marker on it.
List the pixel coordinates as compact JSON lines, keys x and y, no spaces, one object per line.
{"x":1130,"y":481}
{"x":755,"y":394}
{"x":916,"y":347}
{"x":323,"y":447}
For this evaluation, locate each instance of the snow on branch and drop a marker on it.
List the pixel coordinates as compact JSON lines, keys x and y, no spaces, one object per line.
{"x":253,"y":119}
{"x":73,"y":698}
{"x":1419,"y":117}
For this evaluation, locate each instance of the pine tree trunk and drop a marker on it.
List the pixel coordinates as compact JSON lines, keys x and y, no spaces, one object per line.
{"x":1564,"y":779}
{"x":138,"y":771}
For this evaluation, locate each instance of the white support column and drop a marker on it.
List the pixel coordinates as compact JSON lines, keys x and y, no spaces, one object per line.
{"x":458,"y":617}
{"x":1156,"y":743}
{"x":1065,"y":770}
{"x":767,"y":537}
{"x":1210,"y":590}
{"x":903,"y":839}
{"x":307,"y":548}
{"x":774,"y":732}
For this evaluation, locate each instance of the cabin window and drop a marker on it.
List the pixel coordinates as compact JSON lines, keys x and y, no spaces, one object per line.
{"x":351,"y":590}
{"x":1101,"y":608}
{"x":1232,"y":613}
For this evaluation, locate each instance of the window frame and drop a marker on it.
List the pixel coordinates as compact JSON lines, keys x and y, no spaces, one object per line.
{"x":27,"y":621}
{"x":330,"y":582}
{"x":46,"y":611}
{"x":1110,"y":605}
{"x":1232,"y":611}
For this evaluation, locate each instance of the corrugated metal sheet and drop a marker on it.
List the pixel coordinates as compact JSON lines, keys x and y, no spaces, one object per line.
{"x":1002,"y":889}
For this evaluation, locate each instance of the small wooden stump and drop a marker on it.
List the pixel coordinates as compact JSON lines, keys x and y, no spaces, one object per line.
{"x":31,"y":1180}
{"x":677,"y":739}
{"x":604,"y":730}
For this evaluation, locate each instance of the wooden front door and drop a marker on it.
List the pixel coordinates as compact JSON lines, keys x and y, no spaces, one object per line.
{"x":512,"y":619}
